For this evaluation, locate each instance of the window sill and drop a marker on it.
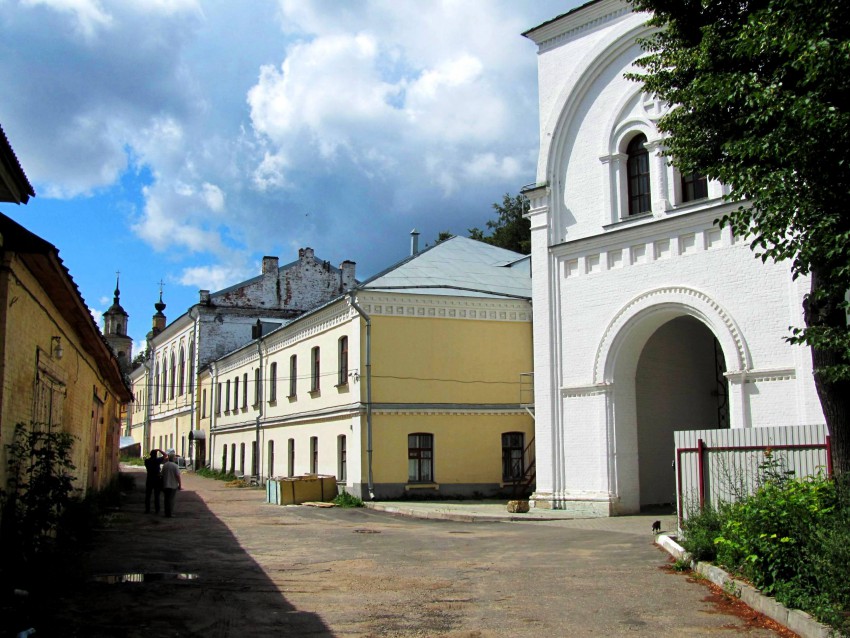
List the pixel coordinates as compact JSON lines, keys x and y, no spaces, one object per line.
{"x":315,"y":393}
{"x":625,"y":221}
{"x":292,"y":397}
{"x":341,"y":386}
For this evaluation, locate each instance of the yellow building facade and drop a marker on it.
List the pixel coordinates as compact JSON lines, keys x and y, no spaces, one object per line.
{"x":405,"y":386}
{"x":57,"y":371}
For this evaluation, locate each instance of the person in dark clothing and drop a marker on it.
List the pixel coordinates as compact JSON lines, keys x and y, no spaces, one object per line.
{"x":153,"y":482}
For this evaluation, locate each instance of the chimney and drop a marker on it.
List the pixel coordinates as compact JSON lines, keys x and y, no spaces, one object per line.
{"x":414,"y":242}
{"x":270,"y":266}
{"x":346,"y":275}
{"x":205,"y":297}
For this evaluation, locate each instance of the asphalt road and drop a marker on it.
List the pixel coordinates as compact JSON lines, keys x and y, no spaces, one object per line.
{"x":253,"y":569}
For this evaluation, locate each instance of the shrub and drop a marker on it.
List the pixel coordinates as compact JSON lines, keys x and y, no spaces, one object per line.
{"x":344,"y":499}
{"x":700,"y":529}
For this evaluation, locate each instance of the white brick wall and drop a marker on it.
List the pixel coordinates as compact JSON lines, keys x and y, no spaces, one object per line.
{"x":605,"y":283}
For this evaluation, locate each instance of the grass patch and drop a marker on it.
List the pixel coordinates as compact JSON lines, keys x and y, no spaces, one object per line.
{"x":218,"y":475}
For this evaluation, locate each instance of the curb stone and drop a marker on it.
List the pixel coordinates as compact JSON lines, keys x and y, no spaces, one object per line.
{"x":797,"y":621}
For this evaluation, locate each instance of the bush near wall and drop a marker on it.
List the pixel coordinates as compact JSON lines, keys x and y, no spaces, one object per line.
{"x":791,"y":539}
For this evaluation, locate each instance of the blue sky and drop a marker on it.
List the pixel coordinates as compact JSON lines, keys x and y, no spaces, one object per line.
{"x":182,"y":140}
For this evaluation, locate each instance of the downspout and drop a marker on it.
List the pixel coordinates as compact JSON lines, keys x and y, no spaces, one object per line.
{"x":352,"y":300}
{"x":146,"y":429}
{"x":259,"y":459}
{"x":194,"y":422}
{"x":214,"y":401}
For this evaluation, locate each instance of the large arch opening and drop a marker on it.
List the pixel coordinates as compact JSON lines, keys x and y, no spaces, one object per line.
{"x":679,"y":385}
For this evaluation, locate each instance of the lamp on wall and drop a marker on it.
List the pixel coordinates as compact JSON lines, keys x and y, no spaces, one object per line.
{"x":56,"y":346}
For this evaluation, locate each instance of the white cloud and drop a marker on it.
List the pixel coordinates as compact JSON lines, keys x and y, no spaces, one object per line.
{"x":214,"y":277}
{"x":336,"y":125}
{"x":89,"y":14}
{"x":97,"y":315}
{"x":213,"y":197}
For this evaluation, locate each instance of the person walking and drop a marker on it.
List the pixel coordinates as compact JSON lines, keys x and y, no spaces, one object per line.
{"x":153,"y":481}
{"x":171,"y":482}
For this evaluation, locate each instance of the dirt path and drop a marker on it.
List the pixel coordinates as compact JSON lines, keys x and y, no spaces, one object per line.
{"x":265,"y":570}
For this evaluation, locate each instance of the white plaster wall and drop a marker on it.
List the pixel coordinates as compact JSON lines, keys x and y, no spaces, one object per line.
{"x":610,"y":281}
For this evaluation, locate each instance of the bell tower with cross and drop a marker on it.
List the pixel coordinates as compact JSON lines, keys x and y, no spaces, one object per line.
{"x":115,"y":329}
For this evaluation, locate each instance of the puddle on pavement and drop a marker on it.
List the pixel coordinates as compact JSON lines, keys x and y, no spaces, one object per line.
{"x":150,"y":577}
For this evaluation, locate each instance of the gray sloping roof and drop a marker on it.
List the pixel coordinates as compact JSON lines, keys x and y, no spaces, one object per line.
{"x":459,"y":266}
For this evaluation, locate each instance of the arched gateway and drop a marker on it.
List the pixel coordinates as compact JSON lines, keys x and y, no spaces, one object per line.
{"x":664,"y":359}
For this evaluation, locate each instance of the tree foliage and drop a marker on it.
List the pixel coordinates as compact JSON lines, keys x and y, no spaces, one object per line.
{"x":759,"y":92}
{"x":510,"y":229}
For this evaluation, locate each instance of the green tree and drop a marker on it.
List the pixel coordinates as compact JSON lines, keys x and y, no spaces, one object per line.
{"x":509,"y":230}
{"x":759,"y":92}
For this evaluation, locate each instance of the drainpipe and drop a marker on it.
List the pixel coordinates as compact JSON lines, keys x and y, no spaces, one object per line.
{"x":146,"y":428}
{"x":352,"y":300}
{"x":214,"y":400}
{"x":193,"y":412}
{"x":259,"y":457}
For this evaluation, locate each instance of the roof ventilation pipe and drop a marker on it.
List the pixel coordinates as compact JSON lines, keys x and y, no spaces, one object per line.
{"x":414,"y":242}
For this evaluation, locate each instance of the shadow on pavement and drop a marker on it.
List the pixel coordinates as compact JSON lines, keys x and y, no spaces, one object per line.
{"x":227,"y":595}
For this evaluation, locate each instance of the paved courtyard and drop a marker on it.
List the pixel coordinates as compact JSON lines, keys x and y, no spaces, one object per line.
{"x":253,"y":569}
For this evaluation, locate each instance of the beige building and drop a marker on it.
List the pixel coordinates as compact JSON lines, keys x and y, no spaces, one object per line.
{"x":166,"y":406}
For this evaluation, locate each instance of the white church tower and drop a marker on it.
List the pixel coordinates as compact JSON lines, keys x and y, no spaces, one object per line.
{"x":648,"y":317}
{"x":115,"y":322}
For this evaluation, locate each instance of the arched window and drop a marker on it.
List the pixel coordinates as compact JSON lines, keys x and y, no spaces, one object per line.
{"x":343,"y":361}
{"x":293,"y":375}
{"x":273,"y":382}
{"x":172,"y":374}
{"x":638,"y":176}
{"x":314,"y":369}
{"x":181,"y":379}
{"x":156,"y":382}
{"x":191,"y":367}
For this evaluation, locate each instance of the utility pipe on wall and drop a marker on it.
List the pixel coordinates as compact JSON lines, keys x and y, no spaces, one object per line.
{"x":353,"y":301}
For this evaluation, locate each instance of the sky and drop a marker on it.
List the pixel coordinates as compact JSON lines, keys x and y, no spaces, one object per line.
{"x":180,"y":141}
